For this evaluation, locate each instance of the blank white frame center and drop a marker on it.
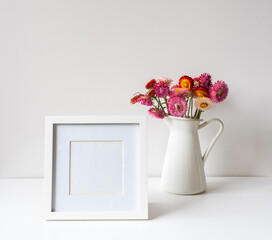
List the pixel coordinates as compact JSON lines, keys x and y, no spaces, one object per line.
{"x":96,"y":167}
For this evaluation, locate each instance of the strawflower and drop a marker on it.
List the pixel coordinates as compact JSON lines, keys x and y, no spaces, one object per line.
{"x":162,"y":90}
{"x":196,"y":82}
{"x":186,"y":82}
{"x":165,"y":80}
{"x":177,"y":106}
{"x":145,"y":100}
{"x":205,"y":80}
{"x":135,"y":99}
{"x":175,"y":86}
{"x":203,"y":103}
{"x":201,"y":92}
{"x":156,"y":113}
{"x":151,"y":92}
{"x":150,"y":84}
{"x":219,"y":91}
{"x":179,"y":92}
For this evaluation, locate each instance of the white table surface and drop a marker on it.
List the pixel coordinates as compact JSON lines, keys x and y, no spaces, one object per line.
{"x":232,"y":208}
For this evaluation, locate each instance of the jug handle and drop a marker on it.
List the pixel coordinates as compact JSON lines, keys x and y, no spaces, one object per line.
{"x":215,"y":137}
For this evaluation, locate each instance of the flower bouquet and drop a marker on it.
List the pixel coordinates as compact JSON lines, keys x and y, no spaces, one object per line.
{"x":187,"y":99}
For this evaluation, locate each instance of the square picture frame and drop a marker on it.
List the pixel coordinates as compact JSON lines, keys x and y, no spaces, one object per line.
{"x":95,"y":168}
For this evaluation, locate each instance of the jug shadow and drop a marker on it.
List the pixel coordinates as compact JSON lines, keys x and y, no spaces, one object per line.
{"x":214,"y":186}
{"x":219,"y":185}
{"x":158,"y":209}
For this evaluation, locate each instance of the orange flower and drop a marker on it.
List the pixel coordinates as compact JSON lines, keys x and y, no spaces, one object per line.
{"x":186,"y":82}
{"x":201,"y":92}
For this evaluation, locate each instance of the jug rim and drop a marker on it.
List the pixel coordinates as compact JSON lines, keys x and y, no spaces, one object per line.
{"x":185,"y":119}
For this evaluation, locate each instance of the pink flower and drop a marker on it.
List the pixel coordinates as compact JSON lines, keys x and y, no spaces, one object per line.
{"x":179,"y":92}
{"x":196,"y":82}
{"x":145,"y":100}
{"x":205,"y":80}
{"x":165,"y":80}
{"x":156,"y":113}
{"x":207,"y":76}
{"x":177,"y":106}
{"x":174,"y":86}
{"x":219,"y":91}
{"x":162,"y":90}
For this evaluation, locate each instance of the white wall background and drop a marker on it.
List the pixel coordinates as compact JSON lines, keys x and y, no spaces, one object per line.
{"x":75,"y":57}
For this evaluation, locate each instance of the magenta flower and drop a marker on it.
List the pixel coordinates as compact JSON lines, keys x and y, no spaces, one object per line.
{"x":219,"y":91}
{"x":156,"y":113}
{"x":205,"y":80}
{"x":177,"y":106}
{"x":173,"y":87}
{"x":207,"y":76}
{"x":162,"y":90}
{"x":196,"y":82}
{"x":165,"y":80}
{"x":179,"y":92}
{"x":145,"y":100}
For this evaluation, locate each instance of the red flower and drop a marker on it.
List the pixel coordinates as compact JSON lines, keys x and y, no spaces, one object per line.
{"x":135,"y":99}
{"x":201,"y":92}
{"x":186,"y":82}
{"x":151,"y":92}
{"x":150,"y":84}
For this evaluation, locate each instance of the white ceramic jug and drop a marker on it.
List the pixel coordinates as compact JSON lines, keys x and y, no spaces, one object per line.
{"x":183,"y":171}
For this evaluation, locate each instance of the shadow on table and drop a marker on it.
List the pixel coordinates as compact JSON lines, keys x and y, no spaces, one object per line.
{"x":216,"y":187}
{"x":156,"y":210}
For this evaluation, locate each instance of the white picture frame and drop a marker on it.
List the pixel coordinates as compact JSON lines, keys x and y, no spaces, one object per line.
{"x":95,"y":167}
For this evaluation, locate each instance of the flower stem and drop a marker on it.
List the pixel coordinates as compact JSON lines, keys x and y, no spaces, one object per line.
{"x":165,"y":99}
{"x":166,"y":103}
{"x":196,"y":112}
{"x":190,"y":106}
{"x":159,"y":103}
{"x":199,"y":114}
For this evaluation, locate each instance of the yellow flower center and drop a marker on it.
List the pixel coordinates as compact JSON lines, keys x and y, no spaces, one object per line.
{"x":201,"y":93}
{"x":203,"y":105}
{"x":178,"y":89}
{"x":185,"y":84}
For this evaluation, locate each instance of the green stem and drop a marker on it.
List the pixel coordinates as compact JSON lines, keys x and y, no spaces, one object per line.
{"x":188,"y":110}
{"x":190,"y":106}
{"x":159,"y":103}
{"x":199,"y":114}
{"x":165,"y":99}
{"x":166,"y":103}
{"x":196,"y":112}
